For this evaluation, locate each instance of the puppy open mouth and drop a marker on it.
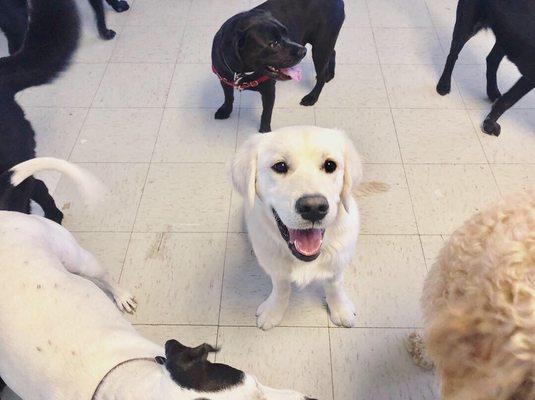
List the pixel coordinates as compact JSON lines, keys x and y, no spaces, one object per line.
{"x":284,"y":74}
{"x":305,"y":244}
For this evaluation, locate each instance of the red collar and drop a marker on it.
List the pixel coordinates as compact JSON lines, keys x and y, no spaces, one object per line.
{"x":237,"y":79}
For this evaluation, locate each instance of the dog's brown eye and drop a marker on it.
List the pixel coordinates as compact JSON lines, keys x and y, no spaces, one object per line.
{"x":280,"y":167}
{"x":329,"y":166}
{"x":274,"y":44}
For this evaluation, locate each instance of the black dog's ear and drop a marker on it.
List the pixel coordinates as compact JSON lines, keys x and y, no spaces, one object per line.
{"x":184,"y":356}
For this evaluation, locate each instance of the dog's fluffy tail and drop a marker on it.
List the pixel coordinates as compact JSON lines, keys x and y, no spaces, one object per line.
{"x":91,"y":188}
{"x":50,"y":41}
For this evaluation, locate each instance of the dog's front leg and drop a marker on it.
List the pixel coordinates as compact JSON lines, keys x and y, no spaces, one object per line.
{"x":272,"y":310}
{"x":268,"y":101}
{"x":226,"y":109}
{"x":341,"y":308}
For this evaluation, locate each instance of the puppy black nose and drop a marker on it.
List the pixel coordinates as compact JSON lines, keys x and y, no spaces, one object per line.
{"x":302,"y":51}
{"x":313,"y":207}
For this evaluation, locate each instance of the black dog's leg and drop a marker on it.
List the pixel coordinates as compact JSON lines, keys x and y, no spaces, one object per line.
{"x":465,"y":28}
{"x":268,"y":101}
{"x":118,"y":5}
{"x":323,"y":55}
{"x":13,"y":22}
{"x":98,"y":8}
{"x":330,"y":70}
{"x":226,"y":109}
{"x":509,"y":99}
{"x":493,"y":62}
{"x":42,"y":197}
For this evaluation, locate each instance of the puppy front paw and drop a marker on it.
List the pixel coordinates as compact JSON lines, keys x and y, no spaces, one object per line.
{"x":269,"y":314}
{"x":491,"y":127}
{"x":125,"y":301}
{"x":342,"y":310}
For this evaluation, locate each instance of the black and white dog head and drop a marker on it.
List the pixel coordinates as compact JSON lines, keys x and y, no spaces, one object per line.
{"x":262,"y":44}
{"x":190,"y":369}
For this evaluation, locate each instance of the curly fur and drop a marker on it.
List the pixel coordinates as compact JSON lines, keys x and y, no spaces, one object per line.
{"x":479,"y":305}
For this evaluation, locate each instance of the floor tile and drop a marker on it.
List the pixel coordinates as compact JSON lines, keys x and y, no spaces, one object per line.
{"x":371,"y":130}
{"x":356,"y":46}
{"x":515,"y":144}
{"x":118,"y":135}
{"x":117,"y":210}
{"x":76,"y":87}
{"x":408,"y":46}
{"x":168,"y":272}
{"x":158,"y":13}
{"x":437,"y":136}
{"x":413,"y":86}
{"x":514,"y":178}
{"x":195,"y":85}
{"x":92,"y":48}
{"x":148,"y":44}
{"x":391,"y":211}
{"x":191,"y":336}
{"x":246,"y":286}
{"x":373,"y":364}
{"x":134,"y":85}
{"x":108,"y":247}
{"x":215,"y":12}
{"x":197,"y":44}
{"x":236,"y":222}
{"x":385,"y":281}
{"x":356,"y":14}
{"x":431,"y":245}
{"x":444,"y":196}
{"x":443,"y":13}
{"x":194,"y":136}
{"x":399,"y":13}
{"x":185,"y":198}
{"x":56,"y":129}
{"x":281,"y":358}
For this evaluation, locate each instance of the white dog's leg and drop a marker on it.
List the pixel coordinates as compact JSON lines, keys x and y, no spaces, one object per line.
{"x":341,"y":308}
{"x":271,"y":311}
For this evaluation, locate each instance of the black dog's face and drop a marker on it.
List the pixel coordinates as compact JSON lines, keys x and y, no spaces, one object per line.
{"x":265,"y":47}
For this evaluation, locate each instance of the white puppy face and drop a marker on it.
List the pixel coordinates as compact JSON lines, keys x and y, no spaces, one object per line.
{"x":302,"y":175}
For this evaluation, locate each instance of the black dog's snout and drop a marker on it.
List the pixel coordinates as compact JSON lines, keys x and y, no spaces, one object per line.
{"x":313,"y":207}
{"x":301,"y":51}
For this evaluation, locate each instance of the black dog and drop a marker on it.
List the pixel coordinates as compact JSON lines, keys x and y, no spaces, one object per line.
{"x":98,"y":8}
{"x":513,"y":24}
{"x":254,"y":49}
{"x":50,"y":41}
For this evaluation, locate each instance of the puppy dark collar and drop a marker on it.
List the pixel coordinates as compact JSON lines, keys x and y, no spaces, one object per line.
{"x":238,"y":83}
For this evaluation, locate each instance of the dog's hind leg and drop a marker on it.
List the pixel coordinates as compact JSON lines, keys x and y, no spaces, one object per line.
{"x":466,"y":26}
{"x":42,"y":197}
{"x":226,"y":109}
{"x":98,"y":8}
{"x":118,"y":5}
{"x":509,"y":99}
{"x":268,"y":101}
{"x":494,"y":59}
{"x":330,"y":69}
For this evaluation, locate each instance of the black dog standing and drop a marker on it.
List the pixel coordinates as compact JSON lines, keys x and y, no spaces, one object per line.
{"x":254,"y":49}
{"x":513,"y":24}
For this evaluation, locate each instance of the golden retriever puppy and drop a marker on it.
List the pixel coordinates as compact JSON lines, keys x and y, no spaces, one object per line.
{"x":479,"y":306}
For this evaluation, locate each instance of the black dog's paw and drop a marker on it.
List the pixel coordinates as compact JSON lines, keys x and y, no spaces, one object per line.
{"x":264,"y":128}
{"x":491,"y":127}
{"x":222,"y":113}
{"x":443,"y":88}
{"x":494,"y":94}
{"x":107,"y":34}
{"x":120,"y":6}
{"x":309,"y":100}
{"x":56,"y":216}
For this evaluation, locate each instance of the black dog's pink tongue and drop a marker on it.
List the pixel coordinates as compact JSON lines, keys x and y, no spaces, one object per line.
{"x":306,"y":241}
{"x":292,"y":72}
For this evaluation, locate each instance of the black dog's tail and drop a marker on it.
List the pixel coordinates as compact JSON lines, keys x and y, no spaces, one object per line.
{"x":51,"y":39}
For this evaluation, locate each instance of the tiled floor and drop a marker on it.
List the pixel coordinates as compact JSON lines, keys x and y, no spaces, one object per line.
{"x":138,"y":112}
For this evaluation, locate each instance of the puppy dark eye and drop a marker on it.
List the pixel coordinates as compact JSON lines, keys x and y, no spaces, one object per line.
{"x":274,"y":44}
{"x":329,"y":166}
{"x":280,"y":167}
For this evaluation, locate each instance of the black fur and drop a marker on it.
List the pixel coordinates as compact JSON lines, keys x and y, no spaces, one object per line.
{"x":513,"y":23}
{"x":190,"y":368}
{"x":243,"y":45}
{"x":51,"y":39}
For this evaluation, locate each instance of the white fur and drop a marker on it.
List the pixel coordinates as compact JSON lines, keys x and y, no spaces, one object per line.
{"x":305,"y":149}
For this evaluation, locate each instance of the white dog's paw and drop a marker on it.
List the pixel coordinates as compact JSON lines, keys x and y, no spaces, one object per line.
{"x":124,"y":300}
{"x":342,"y":311}
{"x":269,"y":314}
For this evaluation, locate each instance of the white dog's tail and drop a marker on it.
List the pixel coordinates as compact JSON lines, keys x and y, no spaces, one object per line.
{"x":91,"y":188}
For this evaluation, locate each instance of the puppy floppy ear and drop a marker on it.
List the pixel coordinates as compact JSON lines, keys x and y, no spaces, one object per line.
{"x":352,"y":171}
{"x":243,"y":171}
{"x":185,"y":357}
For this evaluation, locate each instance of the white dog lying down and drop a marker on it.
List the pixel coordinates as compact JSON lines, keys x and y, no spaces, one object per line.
{"x":479,"y":306}
{"x":301,"y":216}
{"x":61,"y":338}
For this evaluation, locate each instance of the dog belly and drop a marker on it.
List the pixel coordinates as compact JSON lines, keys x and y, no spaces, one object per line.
{"x":54,"y":330}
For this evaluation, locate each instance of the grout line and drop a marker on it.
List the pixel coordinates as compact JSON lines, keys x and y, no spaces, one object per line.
{"x":331,"y":362}
{"x":282,"y":327}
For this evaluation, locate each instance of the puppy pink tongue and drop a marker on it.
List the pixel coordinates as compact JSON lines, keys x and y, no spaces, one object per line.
{"x":293,"y":72}
{"x":306,"y":241}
